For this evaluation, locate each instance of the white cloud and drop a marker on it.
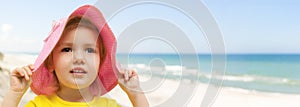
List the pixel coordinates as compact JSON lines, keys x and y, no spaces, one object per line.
{"x":13,"y":43}
{"x":6,"y":28}
{"x":20,"y":44}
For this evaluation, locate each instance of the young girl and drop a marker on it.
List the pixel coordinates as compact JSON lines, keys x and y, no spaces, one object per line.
{"x":75,"y":67}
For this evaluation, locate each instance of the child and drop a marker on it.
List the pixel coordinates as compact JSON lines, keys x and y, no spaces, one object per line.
{"x":75,"y":67}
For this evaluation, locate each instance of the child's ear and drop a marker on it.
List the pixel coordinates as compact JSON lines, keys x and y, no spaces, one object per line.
{"x":50,"y":68}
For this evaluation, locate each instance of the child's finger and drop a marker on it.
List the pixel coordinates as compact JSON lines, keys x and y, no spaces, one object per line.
{"x":28,"y":70}
{"x":130,"y":73}
{"x":31,"y":66}
{"x":119,"y":70}
{"x":18,"y":72}
{"x":25,"y":73}
{"x":126,"y":75}
{"x":133,"y":73}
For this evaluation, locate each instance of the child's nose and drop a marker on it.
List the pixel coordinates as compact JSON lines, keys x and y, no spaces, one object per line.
{"x":78,"y":57}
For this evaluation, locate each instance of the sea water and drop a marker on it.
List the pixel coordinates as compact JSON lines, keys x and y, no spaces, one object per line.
{"x":278,"y":73}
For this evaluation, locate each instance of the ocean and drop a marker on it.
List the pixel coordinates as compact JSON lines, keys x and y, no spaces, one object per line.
{"x":277,"y":73}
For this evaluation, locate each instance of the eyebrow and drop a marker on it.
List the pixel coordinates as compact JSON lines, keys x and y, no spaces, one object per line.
{"x":66,"y":44}
{"x":85,"y":45}
{"x":91,"y":45}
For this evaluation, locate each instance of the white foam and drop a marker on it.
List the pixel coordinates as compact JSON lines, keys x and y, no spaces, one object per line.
{"x":138,"y":66}
{"x":239,"y":78}
{"x":141,"y":66}
{"x":174,"y":68}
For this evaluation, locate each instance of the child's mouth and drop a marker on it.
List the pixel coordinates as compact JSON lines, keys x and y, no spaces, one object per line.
{"x":78,"y":71}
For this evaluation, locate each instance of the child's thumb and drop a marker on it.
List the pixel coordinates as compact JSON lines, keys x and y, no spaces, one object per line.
{"x":118,"y":69}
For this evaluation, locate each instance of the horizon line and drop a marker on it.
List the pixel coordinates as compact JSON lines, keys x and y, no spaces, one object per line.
{"x":143,"y":53}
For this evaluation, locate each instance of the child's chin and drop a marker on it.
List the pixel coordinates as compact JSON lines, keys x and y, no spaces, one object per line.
{"x":79,"y":84}
{"x":78,"y":87}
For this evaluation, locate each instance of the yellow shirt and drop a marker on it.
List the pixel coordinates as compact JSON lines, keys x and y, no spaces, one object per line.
{"x":55,"y":101}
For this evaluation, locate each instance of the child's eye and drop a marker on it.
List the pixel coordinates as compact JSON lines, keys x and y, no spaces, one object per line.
{"x":90,"y":50}
{"x":66,"y":50}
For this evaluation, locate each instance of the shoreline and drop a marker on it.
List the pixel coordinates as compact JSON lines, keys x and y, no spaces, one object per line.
{"x":227,"y":96}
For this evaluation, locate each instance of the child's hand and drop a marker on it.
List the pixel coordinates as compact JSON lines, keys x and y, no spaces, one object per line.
{"x":20,"y":79}
{"x":19,"y":83}
{"x":129,"y":81}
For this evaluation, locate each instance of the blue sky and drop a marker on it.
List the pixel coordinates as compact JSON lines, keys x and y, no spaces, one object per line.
{"x":248,"y":26}
{"x":258,"y":26}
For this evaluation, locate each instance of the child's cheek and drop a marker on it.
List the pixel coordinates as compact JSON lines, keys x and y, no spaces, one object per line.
{"x":68,"y":58}
{"x":64,"y":58}
{"x":93,"y":61}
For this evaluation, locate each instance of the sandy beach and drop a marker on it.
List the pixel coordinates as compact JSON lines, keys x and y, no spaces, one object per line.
{"x":227,"y":97}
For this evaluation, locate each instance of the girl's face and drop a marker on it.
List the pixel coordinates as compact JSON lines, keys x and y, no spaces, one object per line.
{"x":76,"y":58}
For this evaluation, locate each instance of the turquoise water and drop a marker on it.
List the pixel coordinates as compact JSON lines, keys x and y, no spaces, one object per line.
{"x":260,"y":72}
{"x":278,"y":73}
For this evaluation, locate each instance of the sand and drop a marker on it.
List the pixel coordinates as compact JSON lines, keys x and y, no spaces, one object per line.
{"x":168,"y":91}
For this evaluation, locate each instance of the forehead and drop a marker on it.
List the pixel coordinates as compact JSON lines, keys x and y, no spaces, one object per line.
{"x":80,"y":35}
